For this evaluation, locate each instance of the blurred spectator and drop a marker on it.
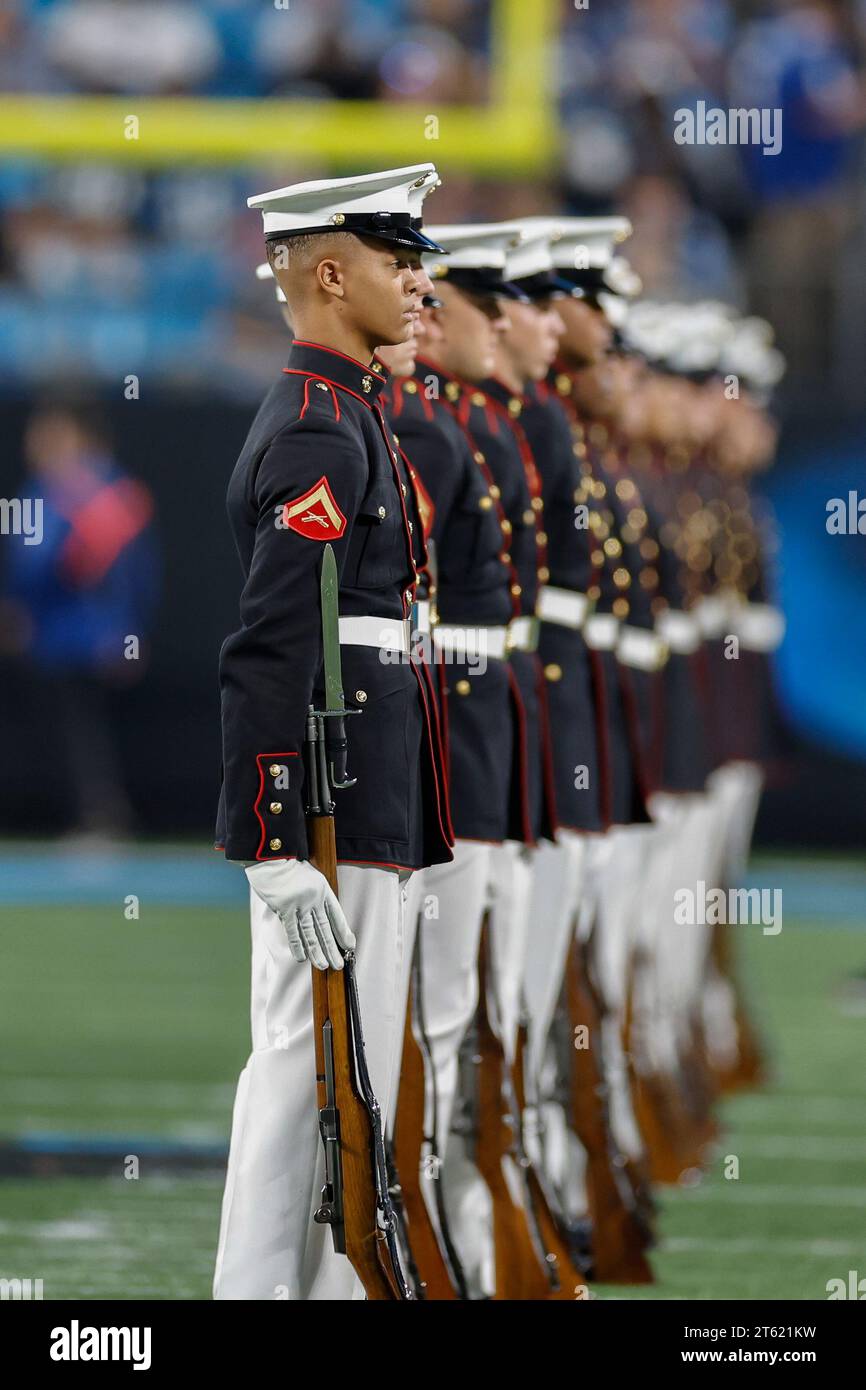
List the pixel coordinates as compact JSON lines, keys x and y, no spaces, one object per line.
{"x":79,"y":602}
{"x":802,"y":62}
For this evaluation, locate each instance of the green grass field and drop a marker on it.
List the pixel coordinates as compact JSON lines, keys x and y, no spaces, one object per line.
{"x":139,"y":1029}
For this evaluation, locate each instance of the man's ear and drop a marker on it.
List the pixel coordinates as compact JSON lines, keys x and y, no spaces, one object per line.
{"x":331,"y":277}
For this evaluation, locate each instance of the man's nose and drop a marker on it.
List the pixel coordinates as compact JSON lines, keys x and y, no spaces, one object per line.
{"x":421,"y":282}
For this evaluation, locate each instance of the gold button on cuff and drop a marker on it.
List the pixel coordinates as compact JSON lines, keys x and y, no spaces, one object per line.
{"x":275,"y":844}
{"x":382,"y":513}
{"x":276,"y":807}
{"x":275,"y":769}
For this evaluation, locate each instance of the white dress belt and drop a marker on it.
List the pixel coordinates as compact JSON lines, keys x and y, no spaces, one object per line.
{"x":759,"y":626}
{"x":523,"y":634}
{"x":641,"y":648}
{"x":600,"y":631}
{"x":471,"y":641}
{"x":680,"y":631}
{"x":389,"y":634}
{"x":566,"y":607}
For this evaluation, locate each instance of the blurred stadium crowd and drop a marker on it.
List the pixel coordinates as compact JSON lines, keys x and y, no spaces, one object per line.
{"x":105,"y":264}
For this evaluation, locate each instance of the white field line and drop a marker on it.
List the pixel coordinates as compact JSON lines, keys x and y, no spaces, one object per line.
{"x":820,"y":1147}
{"x":782,"y":1194}
{"x":187,"y":1095}
{"x":736,"y":1245}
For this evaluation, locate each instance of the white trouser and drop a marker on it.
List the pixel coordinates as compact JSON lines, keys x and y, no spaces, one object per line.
{"x":555,"y":897}
{"x":735,"y":792}
{"x":466,"y":1195}
{"x":619,"y":864}
{"x":269,"y":1246}
{"x":513,"y":924}
{"x":456,"y":896}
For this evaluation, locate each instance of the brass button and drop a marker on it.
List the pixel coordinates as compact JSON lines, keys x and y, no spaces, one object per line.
{"x":409,"y":524}
{"x":477,"y":397}
{"x":485,"y":503}
{"x":505,"y":558}
{"x":495,"y":492}
{"x":541,"y":538}
{"x":411,"y":387}
{"x":275,"y":769}
{"x":544,"y":574}
{"x":360,"y":696}
{"x":338,"y":219}
{"x":620,"y":607}
{"x":621,"y":578}
{"x":528,"y":517}
{"x":514,"y":407}
{"x":366,"y":383}
{"x":516,"y":590}
{"x":478,"y":456}
{"x":452,"y":390}
{"x":396,"y":441}
{"x":403,"y":489}
{"x":506,"y":527}
{"x":382,"y":513}
{"x":538,"y":504}
{"x":275,"y":844}
{"x":463,"y":687}
{"x":276,"y":807}
{"x":321,"y":385}
{"x":553,"y":672}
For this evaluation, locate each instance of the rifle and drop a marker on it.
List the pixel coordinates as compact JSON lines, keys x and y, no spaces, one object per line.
{"x":356,"y":1202}
{"x":619,"y":1232}
{"x":567,"y":1281}
{"x":441,"y":1273}
{"x":522,"y":1271}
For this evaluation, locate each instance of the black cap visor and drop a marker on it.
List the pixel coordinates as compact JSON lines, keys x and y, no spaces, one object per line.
{"x":482,"y":280}
{"x":394,"y":227}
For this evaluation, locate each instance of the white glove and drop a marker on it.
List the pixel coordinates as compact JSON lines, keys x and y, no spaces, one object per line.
{"x":309,"y":910}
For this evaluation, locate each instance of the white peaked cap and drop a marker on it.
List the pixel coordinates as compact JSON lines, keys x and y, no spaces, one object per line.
{"x":530,"y":253}
{"x":750,"y":354}
{"x":264,"y":272}
{"x":621,"y":277}
{"x":473,"y":246}
{"x":383,"y":205}
{"x":583,"y":243}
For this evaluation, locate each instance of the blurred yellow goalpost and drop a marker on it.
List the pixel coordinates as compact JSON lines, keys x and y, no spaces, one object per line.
{"x":515,"y":133}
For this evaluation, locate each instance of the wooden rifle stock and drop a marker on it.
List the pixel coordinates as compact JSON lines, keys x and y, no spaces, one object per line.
{"x":436,"y":1280}
{"x":619,"y":1236}
{"x":362,"y":1238}
{"x":568,"y":1282}
{"x":519,"y":1270}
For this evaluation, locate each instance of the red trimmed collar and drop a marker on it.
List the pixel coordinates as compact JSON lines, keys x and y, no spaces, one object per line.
{"x":366,"y":382}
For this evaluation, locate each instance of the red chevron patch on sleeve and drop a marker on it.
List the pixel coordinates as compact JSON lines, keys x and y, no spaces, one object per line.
{"x":315,"y":515}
